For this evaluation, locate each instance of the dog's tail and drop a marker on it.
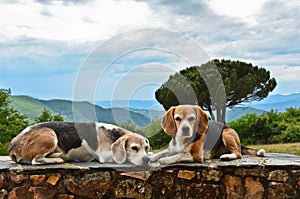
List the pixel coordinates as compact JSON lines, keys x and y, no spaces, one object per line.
{"x":247,"y":150}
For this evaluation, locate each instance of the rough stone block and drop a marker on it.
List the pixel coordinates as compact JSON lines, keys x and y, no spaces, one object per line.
{"x":259,"y":172}
{"x":208,"y":191}
{"x":2,"y":178}
{"x":186,"y":174}
{"x":42,"y":192}
{"x":20,"y":193}
{"x":281,"y":190}
{"x":3,"y":193}
{"x":90,"y":185}
{"x":234,"y":187}
{"x":212,"y":175}
{"x":53,"y":180}
{"x":278,"y":176}
{"x":18,"y":178}
{"x":254,"y":188}
{"x":139,"y":175}
{"x":66,"y":196}
{"x":131,"y":188}
{"x":163,"y":183}
{"x":37,"y":179}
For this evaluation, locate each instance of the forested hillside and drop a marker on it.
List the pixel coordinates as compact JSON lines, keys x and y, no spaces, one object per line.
{"x":32,"y":107}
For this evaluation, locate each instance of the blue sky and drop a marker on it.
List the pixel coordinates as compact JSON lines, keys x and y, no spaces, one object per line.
{"x":126,"y":49}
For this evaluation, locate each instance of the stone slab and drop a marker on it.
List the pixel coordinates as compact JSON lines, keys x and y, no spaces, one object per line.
{"x":271,"y":159}
{"x":274,"y":176}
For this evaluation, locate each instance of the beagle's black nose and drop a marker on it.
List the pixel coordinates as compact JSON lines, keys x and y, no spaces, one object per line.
{"x":185,"y":130}
{"x":146,"y":160}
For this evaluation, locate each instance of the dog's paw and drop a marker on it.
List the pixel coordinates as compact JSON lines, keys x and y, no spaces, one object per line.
{"x":55,"y":155}
{"x":154,"y":164}
{"x":166,"y":160}
{"x":163,"y":161}
{"x":153,"y":158}
{"x":231,"y":156}
{"x":43,"y":160}
{"x":261,"y":153}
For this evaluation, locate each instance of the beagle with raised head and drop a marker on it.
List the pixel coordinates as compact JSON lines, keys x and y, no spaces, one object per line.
{"x":196,"y":138}
{"x":58,"y":142}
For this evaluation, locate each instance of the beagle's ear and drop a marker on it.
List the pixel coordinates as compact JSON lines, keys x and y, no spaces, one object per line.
{"x":202,"y":119}
{"x":168,"y":123}
{"x":119,"y":151}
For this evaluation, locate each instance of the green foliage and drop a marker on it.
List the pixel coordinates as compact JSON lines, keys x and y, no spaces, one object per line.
{"x":159,"y":140}
{"x":271,"y":127}
{"x":47,"y":116}
{"x":4,"y":148}
{"x":153,"y":128}
{"x":157,"y":137}
{"x":58,"y":118}
{"x":242,"y":82}
{"x":11,"y":121}
{"x":242,"y":126}
{"x":291,"y":134}
{"x":130,"y":126}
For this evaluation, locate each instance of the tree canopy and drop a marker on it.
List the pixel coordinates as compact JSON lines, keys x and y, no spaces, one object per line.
{"x":47,"y":116}
{"x":11,"y":121}
{"x":200,"y":85}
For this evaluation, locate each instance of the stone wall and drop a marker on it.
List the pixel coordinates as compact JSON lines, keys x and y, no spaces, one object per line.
{"x":275,"y":176}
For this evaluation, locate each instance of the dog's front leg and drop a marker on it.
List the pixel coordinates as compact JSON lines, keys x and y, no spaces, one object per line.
{"x":155,"y":157}
{"x":180,"y":157}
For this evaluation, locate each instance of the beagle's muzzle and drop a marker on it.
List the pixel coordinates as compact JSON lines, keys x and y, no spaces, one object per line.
{"x":196,"y":138}
{"x":58,"y":142}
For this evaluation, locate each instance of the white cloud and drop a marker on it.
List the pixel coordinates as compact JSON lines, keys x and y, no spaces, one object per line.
{"x":92,"y":21}
{"x":246,"y":10}
{"x":285,"y":73}
{"x":52,"y":33}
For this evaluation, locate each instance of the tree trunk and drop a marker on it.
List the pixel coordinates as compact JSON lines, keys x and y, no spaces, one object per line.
{"x":218,"y":110}
{"x":211,"y":113}
{"x":221,"y":114}
{"x":223,"y":119}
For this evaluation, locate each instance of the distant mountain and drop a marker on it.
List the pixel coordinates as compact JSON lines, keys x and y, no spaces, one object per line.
{"x":237,"y":112}
{"x":84,"y":111}
{"x":132,"y":104}
{"x":277,"y":102}
{"x":139,"y":111}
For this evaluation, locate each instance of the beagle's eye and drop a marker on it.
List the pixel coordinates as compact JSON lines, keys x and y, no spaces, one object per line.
{"x":135,"y":148}
{"x":191,"y":119}
{"x":178,"y":119}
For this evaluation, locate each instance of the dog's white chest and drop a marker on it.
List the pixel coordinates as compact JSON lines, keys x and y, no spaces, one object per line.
{"x":178,"y":147}
{"x":81,"y":153}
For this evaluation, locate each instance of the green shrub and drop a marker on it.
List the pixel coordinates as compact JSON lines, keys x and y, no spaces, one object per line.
{"x":291,"y":134}
{"x":3,"y":148}
{"x":159,"y":140}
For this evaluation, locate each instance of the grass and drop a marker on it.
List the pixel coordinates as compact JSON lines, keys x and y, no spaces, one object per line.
{"x":289,"y":148}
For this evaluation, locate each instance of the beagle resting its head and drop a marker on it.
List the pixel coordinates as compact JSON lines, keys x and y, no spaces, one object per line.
{"x":57,"y":142}
{"x":196,"y":138}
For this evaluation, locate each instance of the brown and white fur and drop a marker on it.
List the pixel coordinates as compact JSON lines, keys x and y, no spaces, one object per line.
{"x":188,"y":124}
{"x":58,"y":142}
